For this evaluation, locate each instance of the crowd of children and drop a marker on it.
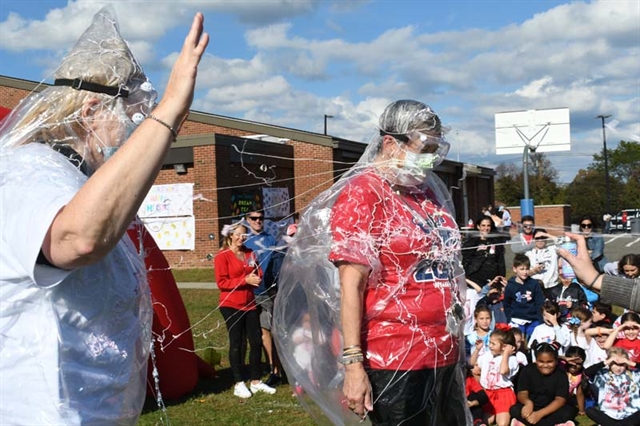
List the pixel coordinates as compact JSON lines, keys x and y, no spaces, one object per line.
{"x":542,"y":355}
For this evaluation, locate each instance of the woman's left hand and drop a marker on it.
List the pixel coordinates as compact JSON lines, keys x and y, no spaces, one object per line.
{"x":357,"y":390}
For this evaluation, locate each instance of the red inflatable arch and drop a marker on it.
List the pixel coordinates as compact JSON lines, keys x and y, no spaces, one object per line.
{"x":178,"y":366}
{"x":4,"y":112}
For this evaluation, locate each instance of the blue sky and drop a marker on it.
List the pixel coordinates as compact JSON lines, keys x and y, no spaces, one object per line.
{"x":289,"y":62}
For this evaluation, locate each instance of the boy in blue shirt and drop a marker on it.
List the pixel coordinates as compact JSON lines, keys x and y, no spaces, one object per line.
{"x":523,"y":297}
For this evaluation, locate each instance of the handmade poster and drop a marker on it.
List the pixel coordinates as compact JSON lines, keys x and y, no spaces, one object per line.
{"x":167,"y":201}
{"x":172,"y":233}
{"x":276,"y":202}
{"x":244,"y":202}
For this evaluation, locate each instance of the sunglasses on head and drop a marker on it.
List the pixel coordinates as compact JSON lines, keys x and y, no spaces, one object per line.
{"x":586,"y":225}
{"x":254,"y":218}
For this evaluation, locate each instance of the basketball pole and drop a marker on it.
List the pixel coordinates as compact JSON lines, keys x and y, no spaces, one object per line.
{"x":606,"y":164}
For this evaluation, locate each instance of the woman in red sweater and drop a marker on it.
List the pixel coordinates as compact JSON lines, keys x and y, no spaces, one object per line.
{"x":237,"y":273}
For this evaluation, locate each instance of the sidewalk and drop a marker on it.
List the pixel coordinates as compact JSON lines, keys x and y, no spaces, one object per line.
{"x":208,"y":286}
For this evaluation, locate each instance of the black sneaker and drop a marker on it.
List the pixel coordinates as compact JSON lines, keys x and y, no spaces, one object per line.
{"x":273,"y":379}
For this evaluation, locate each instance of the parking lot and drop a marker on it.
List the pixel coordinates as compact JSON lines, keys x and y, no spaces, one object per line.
{"x":615,"y":246}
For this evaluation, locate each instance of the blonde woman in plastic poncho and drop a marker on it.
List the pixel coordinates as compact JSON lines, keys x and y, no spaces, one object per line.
{"x":376,"y":265}
{"x":75,"y":317}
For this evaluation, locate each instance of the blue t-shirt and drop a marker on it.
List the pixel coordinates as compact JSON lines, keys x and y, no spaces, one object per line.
{"x":262,"y":245}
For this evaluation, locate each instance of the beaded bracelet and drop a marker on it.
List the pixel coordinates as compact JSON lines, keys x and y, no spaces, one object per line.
{"x":352,"y":359}
{"x":173,"y":131}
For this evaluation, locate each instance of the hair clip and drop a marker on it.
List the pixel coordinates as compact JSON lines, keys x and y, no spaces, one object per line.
{"x":574,"y":321}
{"x":502,"y":327}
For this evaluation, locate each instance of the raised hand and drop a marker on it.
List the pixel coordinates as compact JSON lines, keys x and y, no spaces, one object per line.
{"x":178,"y":94}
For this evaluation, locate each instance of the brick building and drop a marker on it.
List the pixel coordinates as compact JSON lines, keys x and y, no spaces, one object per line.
{"x":225,"y":158}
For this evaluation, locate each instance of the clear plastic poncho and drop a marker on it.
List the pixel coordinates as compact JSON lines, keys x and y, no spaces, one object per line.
{"x":404,"y":232}
{"x":74,"y":345}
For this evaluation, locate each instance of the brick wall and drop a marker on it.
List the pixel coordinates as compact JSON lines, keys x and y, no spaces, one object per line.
{"x":11,"y":96}
{"x":313,"y":170}
{"x":554,"y":218}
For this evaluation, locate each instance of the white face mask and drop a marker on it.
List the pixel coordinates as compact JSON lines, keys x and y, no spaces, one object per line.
{"x":415,"y":169}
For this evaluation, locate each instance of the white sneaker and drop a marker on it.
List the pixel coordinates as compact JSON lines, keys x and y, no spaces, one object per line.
{"x":262,"y":387}
{"x":240,"y":390}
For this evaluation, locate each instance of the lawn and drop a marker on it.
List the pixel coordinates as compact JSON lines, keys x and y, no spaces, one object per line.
{"x":212,"y":402}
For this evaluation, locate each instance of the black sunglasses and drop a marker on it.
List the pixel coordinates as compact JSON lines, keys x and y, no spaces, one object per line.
{"x":586,"y":225}
{"x":256,"y":218}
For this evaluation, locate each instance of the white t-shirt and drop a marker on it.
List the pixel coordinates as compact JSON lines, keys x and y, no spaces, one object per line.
{"x":544,"y":333}
{"x":506,"y":218}
{"x":73,"y":344}
{"x":490,"y":377}
{"x":595,"y":354}
{"x":548,"y":258}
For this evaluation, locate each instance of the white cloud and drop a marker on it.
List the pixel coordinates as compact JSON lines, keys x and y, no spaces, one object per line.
{"x":583,"y":55}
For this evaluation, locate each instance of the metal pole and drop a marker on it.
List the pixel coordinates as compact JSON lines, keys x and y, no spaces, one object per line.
{"x":325,"y":122}
{"x":525,"y":171}
{"x":606,"y":164}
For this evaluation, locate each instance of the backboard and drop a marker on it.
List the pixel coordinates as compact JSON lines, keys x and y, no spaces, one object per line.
{"x":545,"y":130}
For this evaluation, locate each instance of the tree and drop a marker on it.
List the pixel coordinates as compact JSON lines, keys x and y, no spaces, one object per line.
{"x":508,"y":184}
{"x":624,"y":161}
{"x":543,"y":182}
{"x":587,"y":194}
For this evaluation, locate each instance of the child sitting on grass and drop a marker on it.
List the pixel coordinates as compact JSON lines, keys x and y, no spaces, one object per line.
{"x":482,"y":329}
{"x":550,"y":331}
{"x":629,"y":328}
{"x":617,"y":383}
{"x":578,"y":321}
{"x":598,"y":334}
{"x":543,"y":390}
{"x":497,"y":366}
{"x":573,"y":363}
{"x":477,"y":398}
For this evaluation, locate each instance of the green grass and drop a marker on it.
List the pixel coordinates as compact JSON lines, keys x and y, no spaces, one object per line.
{"x":194,"y":275}
{"x":212,"y":402}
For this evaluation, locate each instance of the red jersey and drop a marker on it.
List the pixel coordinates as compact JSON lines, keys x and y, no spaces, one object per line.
{"x":230,"y":279}
{"x":411,"y":245}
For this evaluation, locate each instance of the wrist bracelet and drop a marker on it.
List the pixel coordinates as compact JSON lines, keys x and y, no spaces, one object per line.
{"x":173,"y":131}
{"x":352,"y":352}
{"x":351,"y":347}
{"x":353,"y":359}
{"x":594,"y":281}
